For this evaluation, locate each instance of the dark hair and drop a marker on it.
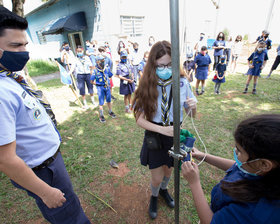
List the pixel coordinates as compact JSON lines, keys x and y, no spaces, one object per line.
{"x":219,"y":35}
{"x":119,"y":48}
{"x":10,"y":20}
{"x":203,"y":48}
{"x":238,"y":37}
{"x":259,"y":136}
{"x":101,"y":49}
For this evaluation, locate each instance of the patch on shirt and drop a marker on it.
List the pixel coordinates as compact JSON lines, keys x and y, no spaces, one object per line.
{"x":181,"y":84}
{"x":37,"y":114}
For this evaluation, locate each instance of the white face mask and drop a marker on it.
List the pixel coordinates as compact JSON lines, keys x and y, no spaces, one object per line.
{"x":260,"y":49}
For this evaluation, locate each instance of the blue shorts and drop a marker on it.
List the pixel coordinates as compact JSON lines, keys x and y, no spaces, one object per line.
{"x":83,"y":79}
{"x":56,"y":176}
{"x":103,"y":92}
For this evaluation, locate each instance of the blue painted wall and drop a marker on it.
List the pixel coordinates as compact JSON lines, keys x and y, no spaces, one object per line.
{"x":38,"y":20}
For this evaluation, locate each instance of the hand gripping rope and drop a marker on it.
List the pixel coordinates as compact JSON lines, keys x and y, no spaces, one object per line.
{"x":186,"y":144}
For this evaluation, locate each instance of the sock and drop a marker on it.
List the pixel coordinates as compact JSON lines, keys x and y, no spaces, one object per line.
{"x":92,"y":99}
{"x":127,"y":107}
{"x":164,"y":183}
{"x":255,"y":85}
{"x":202,"y":88}
{"x":101,"y":112}
{"x":155,"y":190}
{"x":216,"y":84}
{"x":85,"y":102}
{"x":218,"y":87}
{"x":110,"y":111}
{"x":196,"y":89}
{"x":247,"y":85}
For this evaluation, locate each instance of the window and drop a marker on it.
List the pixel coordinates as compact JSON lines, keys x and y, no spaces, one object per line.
{"x":41,"y":37}
{"x":132,"y":25}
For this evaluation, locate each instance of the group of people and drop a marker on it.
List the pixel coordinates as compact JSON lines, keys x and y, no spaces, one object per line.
{"x":31,"y":158}
{"x":223,"y":50}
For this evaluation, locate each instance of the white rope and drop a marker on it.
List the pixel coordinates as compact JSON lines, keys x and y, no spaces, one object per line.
{"x":205,"y":149}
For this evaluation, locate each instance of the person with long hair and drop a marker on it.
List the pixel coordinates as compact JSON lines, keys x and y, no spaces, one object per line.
{"x":218,"y":46}
{"x":153,"y":111}
{"x":249,"y":193}
{"x":236,"y":51}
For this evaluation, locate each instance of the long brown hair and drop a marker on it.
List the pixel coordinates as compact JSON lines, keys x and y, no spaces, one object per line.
{"x":145,"y":97}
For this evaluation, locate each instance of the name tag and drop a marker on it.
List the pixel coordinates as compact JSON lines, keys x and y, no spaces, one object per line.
{"x":28,"y":100}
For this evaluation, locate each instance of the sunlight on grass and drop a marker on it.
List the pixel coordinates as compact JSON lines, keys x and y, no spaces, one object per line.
{"x":80,"y":131}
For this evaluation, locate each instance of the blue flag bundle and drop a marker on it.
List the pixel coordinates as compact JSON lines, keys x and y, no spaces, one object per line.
{"x":64,"y":75}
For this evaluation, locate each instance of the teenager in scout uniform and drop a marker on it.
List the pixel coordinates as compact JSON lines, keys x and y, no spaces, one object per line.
{"x":264,"y":38}
{"x":219,"y":78}
{"x":218,"y":46}
{"x":153,"y":110}
{"x":143,"y":63}
{"x":127,"y":86}
{"x":83,"y":68}
{"x":256,"y":63}
{"x":29,"y":140}
{"x":189,"y":66}
{"x":202,"y":69}
{"x":136,"y":57}
{"x":276,"y":62}
{"x":101,"y":78}
{"x":249,"y":193}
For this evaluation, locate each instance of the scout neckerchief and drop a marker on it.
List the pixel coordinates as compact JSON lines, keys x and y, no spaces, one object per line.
{"x":33,"y":93}
{"x":104,"y":76}
{"x":165,"y":106}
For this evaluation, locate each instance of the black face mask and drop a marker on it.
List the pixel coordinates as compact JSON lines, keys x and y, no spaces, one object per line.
{"x":101,"y":64}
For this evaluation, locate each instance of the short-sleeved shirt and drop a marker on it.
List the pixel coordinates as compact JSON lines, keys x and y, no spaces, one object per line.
{"x":82,"y":65}
{"x":258,"y":57}
{"x":237,"y":48}
{"x":98,"y":76}
{"x":189,"y":65}
{"x":202,"y":61}
{"x":267,"y":41}
{"x":141,"y":65}
{"x":228,"y":211}
{"x":124,"y":70}
{"x":185,"y":91}
{"x":221,"y":68}
{"x":217,"y":43}
{"x":24,"y":120}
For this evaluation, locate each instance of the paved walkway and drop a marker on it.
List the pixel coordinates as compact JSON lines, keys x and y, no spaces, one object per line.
{"x":43,"y":78}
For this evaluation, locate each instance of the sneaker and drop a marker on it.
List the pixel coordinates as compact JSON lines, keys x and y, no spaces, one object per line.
{"x":153,"y":207}
{"x":254,"y":91}
{"x":245,"y":90}
{"x":102,"y":119}
{"x":218,"y":92}
{"x":128,"y":111}
{"x":201,"y":92}
{"x":85,"y":106}
{"x":197,"y":93}
{"x":112,"y":114}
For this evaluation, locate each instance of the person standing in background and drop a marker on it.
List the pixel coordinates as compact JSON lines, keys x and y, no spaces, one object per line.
{"x":236,"y":51}
{"x":218,"y":46}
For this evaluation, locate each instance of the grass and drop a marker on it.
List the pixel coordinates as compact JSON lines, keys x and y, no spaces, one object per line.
{"x":41,"y":67}
{"x":88,"y":146}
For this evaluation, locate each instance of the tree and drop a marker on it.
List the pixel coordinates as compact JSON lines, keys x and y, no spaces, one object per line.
{"x":18,"y":7}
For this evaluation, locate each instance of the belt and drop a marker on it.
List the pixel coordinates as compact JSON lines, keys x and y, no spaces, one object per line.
{"x":46,"y":162}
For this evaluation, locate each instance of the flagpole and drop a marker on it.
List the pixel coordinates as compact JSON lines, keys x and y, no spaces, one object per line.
{"x":175,"y":57}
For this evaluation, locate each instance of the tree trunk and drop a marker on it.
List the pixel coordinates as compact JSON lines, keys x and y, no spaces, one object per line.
{"x":1,"y":2}
{"x":19,"y":10}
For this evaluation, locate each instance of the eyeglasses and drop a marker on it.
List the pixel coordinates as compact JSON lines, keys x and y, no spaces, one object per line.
{"x":162,"y":67}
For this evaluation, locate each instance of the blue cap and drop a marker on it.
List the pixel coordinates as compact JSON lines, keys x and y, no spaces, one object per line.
{"x":123,"y":53}
{"x":99,"y":57}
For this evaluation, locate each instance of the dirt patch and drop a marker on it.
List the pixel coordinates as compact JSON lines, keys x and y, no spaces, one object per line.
{"x":232,"y":94}
{"x":198,"y":115}
{"x":120,"y":172}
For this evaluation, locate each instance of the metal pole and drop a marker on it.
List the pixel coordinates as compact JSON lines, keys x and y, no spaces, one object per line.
{"x":268,"y":18}
{"x":175,"y":57}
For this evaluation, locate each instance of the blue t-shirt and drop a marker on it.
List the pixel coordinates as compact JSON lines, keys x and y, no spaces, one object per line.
{"x":228,"y":211}
{"x":24,"y":120}
{"x":189,"y":65}
{"x":185,"y":91}
{"x":258,"y":57}
{"x":141,"y":65}
{"x":98,"y":76}
{"x":202,"y":61}
{"x":217,"y":43}
{"x":221,"y":68}
{"x":267,"y":41}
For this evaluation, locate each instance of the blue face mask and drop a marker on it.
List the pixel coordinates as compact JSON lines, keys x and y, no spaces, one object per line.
{"x":80,"y":54}
{"x":14,"y":61}
{"x":164,"y":74}
{"x":123,"y":60}
{"x":239,"y":164}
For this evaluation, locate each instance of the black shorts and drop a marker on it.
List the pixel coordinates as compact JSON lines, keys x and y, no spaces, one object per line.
{"x":276,"y":62}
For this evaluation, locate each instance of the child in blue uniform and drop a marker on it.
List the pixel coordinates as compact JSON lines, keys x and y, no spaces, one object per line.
{"x":189,"y":66}
{"x":249,"y":193}
{"x":256,"y":63}
{"x":153,"y":110}
{"x":218,"y":46}
{"x":202,"y":61}
{"x":101,"y":78}
{"x":143,"y":63}
{"x":219,"y":78}
{"x":127,"y":86}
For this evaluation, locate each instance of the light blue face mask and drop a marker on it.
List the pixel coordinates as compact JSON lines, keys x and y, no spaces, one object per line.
{"x":239,"y":164}
{"x":80,"y":54}
{"x":164,"y":74}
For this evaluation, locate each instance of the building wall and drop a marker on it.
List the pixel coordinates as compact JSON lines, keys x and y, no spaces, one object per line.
{"x":38,"y":20}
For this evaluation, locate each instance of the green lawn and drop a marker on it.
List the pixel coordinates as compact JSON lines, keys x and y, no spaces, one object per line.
{"x":41,"y":67}
{"x":88,"y":146}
